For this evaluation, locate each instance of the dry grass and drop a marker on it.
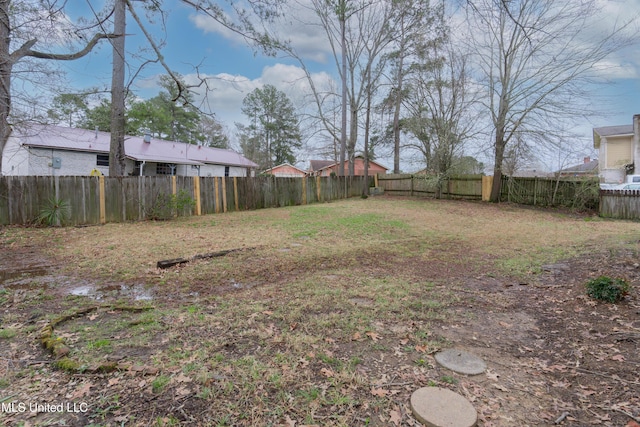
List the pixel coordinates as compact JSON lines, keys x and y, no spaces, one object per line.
{"x":325,"y":316}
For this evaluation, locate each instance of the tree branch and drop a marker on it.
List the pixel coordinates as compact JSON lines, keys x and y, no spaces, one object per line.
{"x":25,"y":50}
{"x":157,"y":51}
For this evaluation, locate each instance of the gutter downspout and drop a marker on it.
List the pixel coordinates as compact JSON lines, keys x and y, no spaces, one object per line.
{"x":142,"y":167}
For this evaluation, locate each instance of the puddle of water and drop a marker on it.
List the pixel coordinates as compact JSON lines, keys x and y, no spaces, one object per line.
{"x":137,"y":292}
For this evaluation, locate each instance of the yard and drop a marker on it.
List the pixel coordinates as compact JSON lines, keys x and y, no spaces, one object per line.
{"x":325,"y":314}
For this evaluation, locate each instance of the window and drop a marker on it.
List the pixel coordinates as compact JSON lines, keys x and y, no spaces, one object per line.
{"x":165,"y":169}
{"x":136,"y":168}
{"x":226,"y":171}
{"x":102,"y":160}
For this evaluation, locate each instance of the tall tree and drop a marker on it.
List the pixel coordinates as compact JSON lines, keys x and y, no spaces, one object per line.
{"x":169,"y":115}
{"x":98,"y":117}
{"x":273,"y":133}
{"x":234,"y":17}
{"x":68,"y":108}
{"x":215,"y":134}
{"x":418,"y":25}
{"x":20,"y":24}
{"x":358,"y":33}
{"x":441,"y":106}
{"x":118,"y":93}
{"x":537,"y":60}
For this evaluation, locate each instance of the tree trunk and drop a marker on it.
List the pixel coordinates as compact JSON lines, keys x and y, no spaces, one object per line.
{"x":116,"y":152}
{"x":353,"y":138}
{"x":367,"y":122}
{"x":497,"y":169}
{"x":343,"y":125}
{"x":396,"y":125}
{"x":6,"y":66}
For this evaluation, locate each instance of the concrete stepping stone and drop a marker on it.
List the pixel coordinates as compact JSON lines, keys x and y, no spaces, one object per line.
{"x":439,"y":407}
{"x":461,"y":362}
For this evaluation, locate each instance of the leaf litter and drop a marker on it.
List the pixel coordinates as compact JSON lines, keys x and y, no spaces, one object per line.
{"x":282,"y":352}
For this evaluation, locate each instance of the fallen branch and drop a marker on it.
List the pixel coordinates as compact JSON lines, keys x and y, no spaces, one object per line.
{"x":178,"y":261}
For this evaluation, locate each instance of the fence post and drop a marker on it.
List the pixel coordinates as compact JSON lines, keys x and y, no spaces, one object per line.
{"x":196,"y":193}
{"x":103,"y":208}
{"x":304,"y":190}
{"x":174,"y":186}
{"x":235,"y":192}
{"x":486,"y":188}
{"x":318,"y":181}
{"x":216,"y":191}
{"x":224,"y":194}
{"x":411,"y":188}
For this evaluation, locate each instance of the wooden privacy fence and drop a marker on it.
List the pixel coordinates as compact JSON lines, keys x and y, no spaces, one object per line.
{"x":621,"y":204}
{"x":579,"y":194}
{"x":95,"y":200}
{"x":456,"y":187}
{"x":572,"y":193}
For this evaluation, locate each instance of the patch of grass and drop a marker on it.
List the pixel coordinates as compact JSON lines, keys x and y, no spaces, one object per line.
{"x":448,"y":379}
{"x":7,"y":333}
{"x":159,"y":383}
{"x":99,"y":344}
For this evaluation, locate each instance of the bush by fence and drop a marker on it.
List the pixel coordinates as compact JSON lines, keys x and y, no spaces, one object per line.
{"x":94,"y":200}
{"x":579,"y":194}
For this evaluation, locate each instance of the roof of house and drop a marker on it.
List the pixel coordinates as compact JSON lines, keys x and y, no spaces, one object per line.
{"x":288,"y":165}
{"x":587,"y":167}
{"x":158,"y":150}
{"x":324,"y":164}
{"x":605,"y":131}
{"x":614,"y":130}
{"x":315,"y":165}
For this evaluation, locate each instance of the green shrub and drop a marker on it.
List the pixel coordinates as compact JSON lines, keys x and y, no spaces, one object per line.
{"x":54,"y":213}
{"x":166,"y":206}
{"x":607,"y":289}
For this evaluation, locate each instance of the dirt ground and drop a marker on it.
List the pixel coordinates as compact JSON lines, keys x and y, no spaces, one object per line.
{"x":554,"y":356}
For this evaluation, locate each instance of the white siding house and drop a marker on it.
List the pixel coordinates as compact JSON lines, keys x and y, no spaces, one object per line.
{"x":618,"y":150}
{"x":54,"y":150}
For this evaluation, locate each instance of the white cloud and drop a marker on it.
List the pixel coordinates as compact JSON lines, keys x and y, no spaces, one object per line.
{"x":617,"y":69}
{"x":298,"y":25}
{"x":226,"y":91}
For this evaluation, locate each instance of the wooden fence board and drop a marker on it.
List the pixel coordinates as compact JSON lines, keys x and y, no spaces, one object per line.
{"x":620,"y":204}
{"x":131,"y":198}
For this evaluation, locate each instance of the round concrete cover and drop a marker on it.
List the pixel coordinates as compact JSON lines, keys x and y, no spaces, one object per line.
{"x":439,"y":407}
{"x":461,"y":362}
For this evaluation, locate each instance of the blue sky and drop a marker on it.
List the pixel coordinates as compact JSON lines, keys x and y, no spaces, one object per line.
{"x":235,"y":69}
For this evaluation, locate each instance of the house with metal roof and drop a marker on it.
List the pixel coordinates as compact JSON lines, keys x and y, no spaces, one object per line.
{"x":54,"y":150}
{"x":618,"y":150}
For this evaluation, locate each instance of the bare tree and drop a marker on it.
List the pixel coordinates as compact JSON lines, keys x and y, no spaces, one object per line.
{"x":537,"y":59}
{"x":243,"y":24}
{"x":358,"y":33}
{"x":442,"y":107}
{"x":417,"y":25}
{"x":20,"y":22}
